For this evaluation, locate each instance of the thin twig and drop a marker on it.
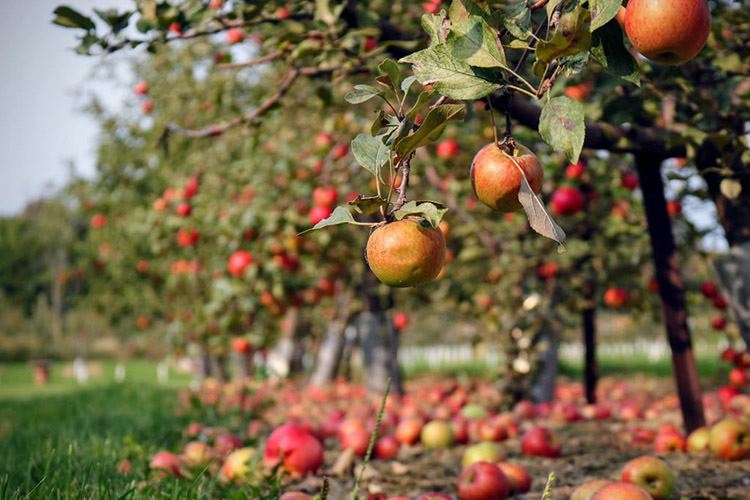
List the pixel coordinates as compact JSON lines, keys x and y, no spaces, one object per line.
{"x":538,"y":4}
{"x":405,"y":170}
{"x":254,"y":62}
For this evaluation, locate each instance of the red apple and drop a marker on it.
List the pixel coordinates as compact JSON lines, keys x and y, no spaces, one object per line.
{"x":587,"y":490}
{"x":166,"y":461}
{"x":518,"y":477}
{"x":188,"y":237}
{"x":709,"y":289}
{"x":318,"y":214}
{"x":293,"y":447}
{"x":718,"y":323}
{"x":668,"y":31}
{"x":698,"y":440}
{"x":238,"y":262}
{"x":447,"y":149}
{"x":235,"y":35}
{"x":400,"y":320}
{"x":730,"y":439}
{"x":629,"y":181}
{"x":325,"y":196}
{"x":356,"y":438}
{"x":482,"y":481}
{"x":616,"y":297}
{"x":669,"y":441}
{"x":651,"y":474}
{"x":540,"y":442}
{"x":184,"y":209}
{"x":387,"y":447}
{"x":241,"y":345}
{"x":226,"y":442}
{"x":147,"y":106}
{"x":567,"y":201}
{"x":575,"y":170}
{"x":674,"y":208}
{"x":339,"y":151}
{"x":98,"y":221}
{"x":141,"y":88}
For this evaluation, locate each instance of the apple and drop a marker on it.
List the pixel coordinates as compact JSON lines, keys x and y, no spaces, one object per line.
{"x":540,"y":442}
{"x":496,"y":179}
{"x":433,"y":495}
{"x":191,"y":188}
{"x":237,"y":464}
{"x":729,"y":355}
{"x":400,"y":320}
{"x":355,"y":438}
{"x":370,"y":44}
{"x":241,"y":345}
{"x":387,"y":447}
{"x":474,"y":411}
{"x":518,"y":477}
{"x":437,"y":434}
{"x":730,"y":439}
{"x":726,"y":394}
{"x":318,"y":214}
{"x":738,"y":378}
{"x":567,"y":201}
{"x":669,"y":441}
{"x":325,"y":196}
{"x":587,"y":490}
{"x":196,"y":454}
{"x":339,"y":151}
{"x":486,"y":451}
{"x":580,"y":92}
{"x":718,"y":323}
{"x":482,"y":481}
{"x":235,"y":35}
{"x":492,"y":430}
{"x":447,"y":149}
{"x":141,"y":88}
{"x":184,"y":209}
{"x":651,"y":474}
{"x":227,"y":442}
{"x":165,"y":461}
{"x":524,"y":410}
{"x":674,"y":208}
{"x":668,"y":31}
{"x":621,"y":491}
{"x":616,"y":298}
{"x":147,"y":106}
{"x":629,"y":181}
{"x":709,"y":289}
{"x":460,"y":428}
{"x":295,"y":495}
{"x":238,"y":262}
{"x":575,"y":170}
{"x":188,"y":237}
{"x":406,"y":253}
{"x":698,"y":440}
{"x":98,"y":221}
{"x":720,"y":302}
{"x":323,"y":141}
{"x":294,"y":448}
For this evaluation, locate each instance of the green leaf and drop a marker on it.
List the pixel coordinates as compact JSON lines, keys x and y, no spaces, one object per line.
{"x":340,"y":215}
{"x":460,"y":10}
{"x":518,"y":22}
{"x":572,"y":35}
{"x":393,"y":73}
{"x":431,"y":212}
{"x":370,"y":153}
{"x":362,"y":93}
{"x":430,"y":129}
{"x":474,"y":42}
{"x":603,"y":11}
{"x":539,"y":220}
{"x":71,"y":18}
{"x":432,"y":24}
{"x":608,"y":48}
{"x":324,"y":13}
{"x":562,"y":126}
{"x":367,"y":205}
{"x":407,"y":83}
{"x":452,"y":77}
{"x":424,"y":98}
{"x":731,"y":188}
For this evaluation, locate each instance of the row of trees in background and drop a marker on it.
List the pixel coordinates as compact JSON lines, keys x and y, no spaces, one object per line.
{"x":204,"y":188}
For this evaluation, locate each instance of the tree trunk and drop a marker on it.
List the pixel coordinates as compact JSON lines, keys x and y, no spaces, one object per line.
{"x":286,"y":357}
{"x":57,"y":299}
{"x":220,"y":369}
{"x":243,"y":361}
{"x":332,"y":346}
{"x":590,"y":369}
{"x":671,"y":291}
{"x":203,"y":368}
{"x":734,"y":276}
{"x":397,"y":377}
{"x":543,"y":389}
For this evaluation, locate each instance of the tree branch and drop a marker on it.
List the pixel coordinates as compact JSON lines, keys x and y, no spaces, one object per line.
{"x":401,"y":190}
{"x":254,"y":62}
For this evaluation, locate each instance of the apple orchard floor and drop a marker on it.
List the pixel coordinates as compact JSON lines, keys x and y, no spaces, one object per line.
{"x":591,"y":450}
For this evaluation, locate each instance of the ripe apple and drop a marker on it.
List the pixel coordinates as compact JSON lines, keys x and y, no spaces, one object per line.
{"x":730,"y":439}
{"x":575,"y":170}
{"x":191,"y":187}
{"x":621,"y":491}
{"x":481,"y":481}
{"x":318,"y":213}
{"x":227,"y":442}
{"x":323,"y":140}
{"x":587,"y":490}
{"x":486,"y":451}
{"x":474,"y":411}
{"x":400,"y":320}
{"x":496,"y":179}
{"x":518,"y":477}
{"x":669,"y":441}
{"x":580,"y":92}
{"x":387,"y":447}
{"x":408,"y":430}
{"x":709,"y":289}
{"x":674,"y":208}
{"x":339,"y":151}
{"x":406,"y":253}
{"x":325,"y":196}
{"x":238,"y":262}
{"x":726,"y":394}
{"x":718,"y":323}
{"x":237,"y":464}
{"x":166,"y":461}
{"x":540,"y":442}
{"x":615,"y":297}
{"x":295,"y":495}
{"x":141,"y":88}
{"x":235,"y":35}
{"x":492,"y":430}
{"x":356,"y":438}
{"x":651,"y":474}
{"x":188,"y":237}
{"x":184,"y":209}
{"x":720,"y":302}
{"x":698,"y":440}
{"x":241,"y":345}
{"x":147,"y":106}
{"x":447,"y":149}
{"x":567,"y":200}
{"x":629,"y":181}
{"x":98,"y":221}
{"x":295,"y":448}
{"x":196,"y":454}
{"x":437,"y":434}
{"x":668,"y":31}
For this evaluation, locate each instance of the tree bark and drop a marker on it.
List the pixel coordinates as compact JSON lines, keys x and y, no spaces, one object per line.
{"x":332,"y":347}
{"x":671,"y":291}
{"x":203,"y":368}
{"x":286,"y":357}
{"x":734,"y":276}
{"x":544,"y":386}
{"x":243,"y":361}
{"x":590,"y":369}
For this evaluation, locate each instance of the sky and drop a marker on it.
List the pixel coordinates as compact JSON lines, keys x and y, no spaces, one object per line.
{"x":44,"y":85}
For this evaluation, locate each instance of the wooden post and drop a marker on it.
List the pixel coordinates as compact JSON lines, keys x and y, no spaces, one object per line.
{"x":671,"y":291}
